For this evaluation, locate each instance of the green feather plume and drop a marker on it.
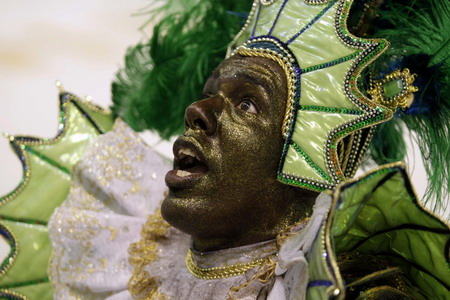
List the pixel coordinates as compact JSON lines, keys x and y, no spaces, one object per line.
{"x":162,"y":76}
{"x":420,"y":40}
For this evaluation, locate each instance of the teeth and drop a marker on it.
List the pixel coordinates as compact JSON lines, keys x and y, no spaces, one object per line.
{"x":187,"y":152}
{"x":182,"y":173}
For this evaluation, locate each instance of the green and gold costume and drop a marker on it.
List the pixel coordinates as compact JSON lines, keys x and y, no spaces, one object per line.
{"x":377,"y":240}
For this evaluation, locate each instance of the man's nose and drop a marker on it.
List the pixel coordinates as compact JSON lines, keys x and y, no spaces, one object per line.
{"x":202,"y":115}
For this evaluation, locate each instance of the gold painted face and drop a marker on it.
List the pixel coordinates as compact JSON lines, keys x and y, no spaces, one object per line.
{"x":223,"y":188}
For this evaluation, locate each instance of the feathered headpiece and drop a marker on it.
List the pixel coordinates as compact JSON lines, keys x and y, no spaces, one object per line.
{"x":419,"y":33}
{"x":165,"y":74}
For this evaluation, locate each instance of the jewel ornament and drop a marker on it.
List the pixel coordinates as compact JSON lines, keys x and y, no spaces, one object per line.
{"x":328,"y":120}
{"x":395,"y":90}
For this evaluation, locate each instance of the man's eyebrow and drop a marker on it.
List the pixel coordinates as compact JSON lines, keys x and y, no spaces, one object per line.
{"x":215,"y":73}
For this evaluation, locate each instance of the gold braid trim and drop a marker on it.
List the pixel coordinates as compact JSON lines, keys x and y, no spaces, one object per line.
{"x":289,"y":231}
{"x":347,"y":148}
{"x":142,"y":285}
{"x":264,"y":275}
{"x":267,"y":269}
{"x":290,"y":75}
{"x":220,"y":272}
{"x":383,"y":292}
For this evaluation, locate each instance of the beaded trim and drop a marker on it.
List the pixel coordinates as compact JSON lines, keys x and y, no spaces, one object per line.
{"x":374,"y":115}
{"x":221,"y":272}
{"x":330,"y":63}
{"x":316,"y":2}
{"x":267,"y":2}
{"x":12,"y":241}
{"x":335,"y":110}
{"x":11,"y":295}
{"x":244,"y":28}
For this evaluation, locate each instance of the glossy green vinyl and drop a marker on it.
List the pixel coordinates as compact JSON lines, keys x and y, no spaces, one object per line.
{"x":379,"y":214}
{"x":47,"y":165}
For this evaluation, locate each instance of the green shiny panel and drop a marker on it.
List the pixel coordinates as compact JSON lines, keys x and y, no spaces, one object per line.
{"x":295,"y":162}
{"x":319,"y":43}
{"x":42,"y":156}
{"x":68,"y":150}
{"x":415,"y":248}
{"x":318,"y":270}
{"x":296,"y":15}
{"x":266,"y":18}
{"x":311,"y":130}
{"x":379,"y":215}
{"x":42,"y":291}
{"x":104,"y":121}
{"x":324,"y":87}
{"x":34,"y":253}
{"x":37,"y":201}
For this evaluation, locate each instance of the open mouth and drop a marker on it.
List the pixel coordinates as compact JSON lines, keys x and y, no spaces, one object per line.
{"x":189,"y":165}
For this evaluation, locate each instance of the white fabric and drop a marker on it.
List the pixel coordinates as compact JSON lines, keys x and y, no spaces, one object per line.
{"x":291,"y":272}
{"x":176,"y":282}
{"x":117,"y":183}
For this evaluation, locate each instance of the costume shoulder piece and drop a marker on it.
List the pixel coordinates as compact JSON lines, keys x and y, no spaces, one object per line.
{"x":24,"y":212}
{"x":378,"y":240}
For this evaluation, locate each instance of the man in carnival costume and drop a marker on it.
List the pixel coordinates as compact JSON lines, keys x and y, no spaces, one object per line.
{"x":296,"y":84}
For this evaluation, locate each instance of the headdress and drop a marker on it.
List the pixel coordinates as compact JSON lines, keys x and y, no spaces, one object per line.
{"x":339,"y":89}
{"x":323,"y":63}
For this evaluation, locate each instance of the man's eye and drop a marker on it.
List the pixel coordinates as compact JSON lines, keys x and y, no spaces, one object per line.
{"x":248,"y":106}
{"x":207,"y":95}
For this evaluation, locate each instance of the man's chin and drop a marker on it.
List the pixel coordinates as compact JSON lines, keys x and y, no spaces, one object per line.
{"x":167,"y":211}
{"x":181,"y":212}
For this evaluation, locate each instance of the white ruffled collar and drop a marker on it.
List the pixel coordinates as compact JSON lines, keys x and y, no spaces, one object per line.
{"x":231,"y":256}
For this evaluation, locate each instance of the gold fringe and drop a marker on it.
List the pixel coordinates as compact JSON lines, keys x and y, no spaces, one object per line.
{"x":142,"y":285}
{"x":264,"y":275}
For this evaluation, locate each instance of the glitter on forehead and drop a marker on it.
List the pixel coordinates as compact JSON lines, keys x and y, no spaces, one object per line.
{"x":260,"y":73}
